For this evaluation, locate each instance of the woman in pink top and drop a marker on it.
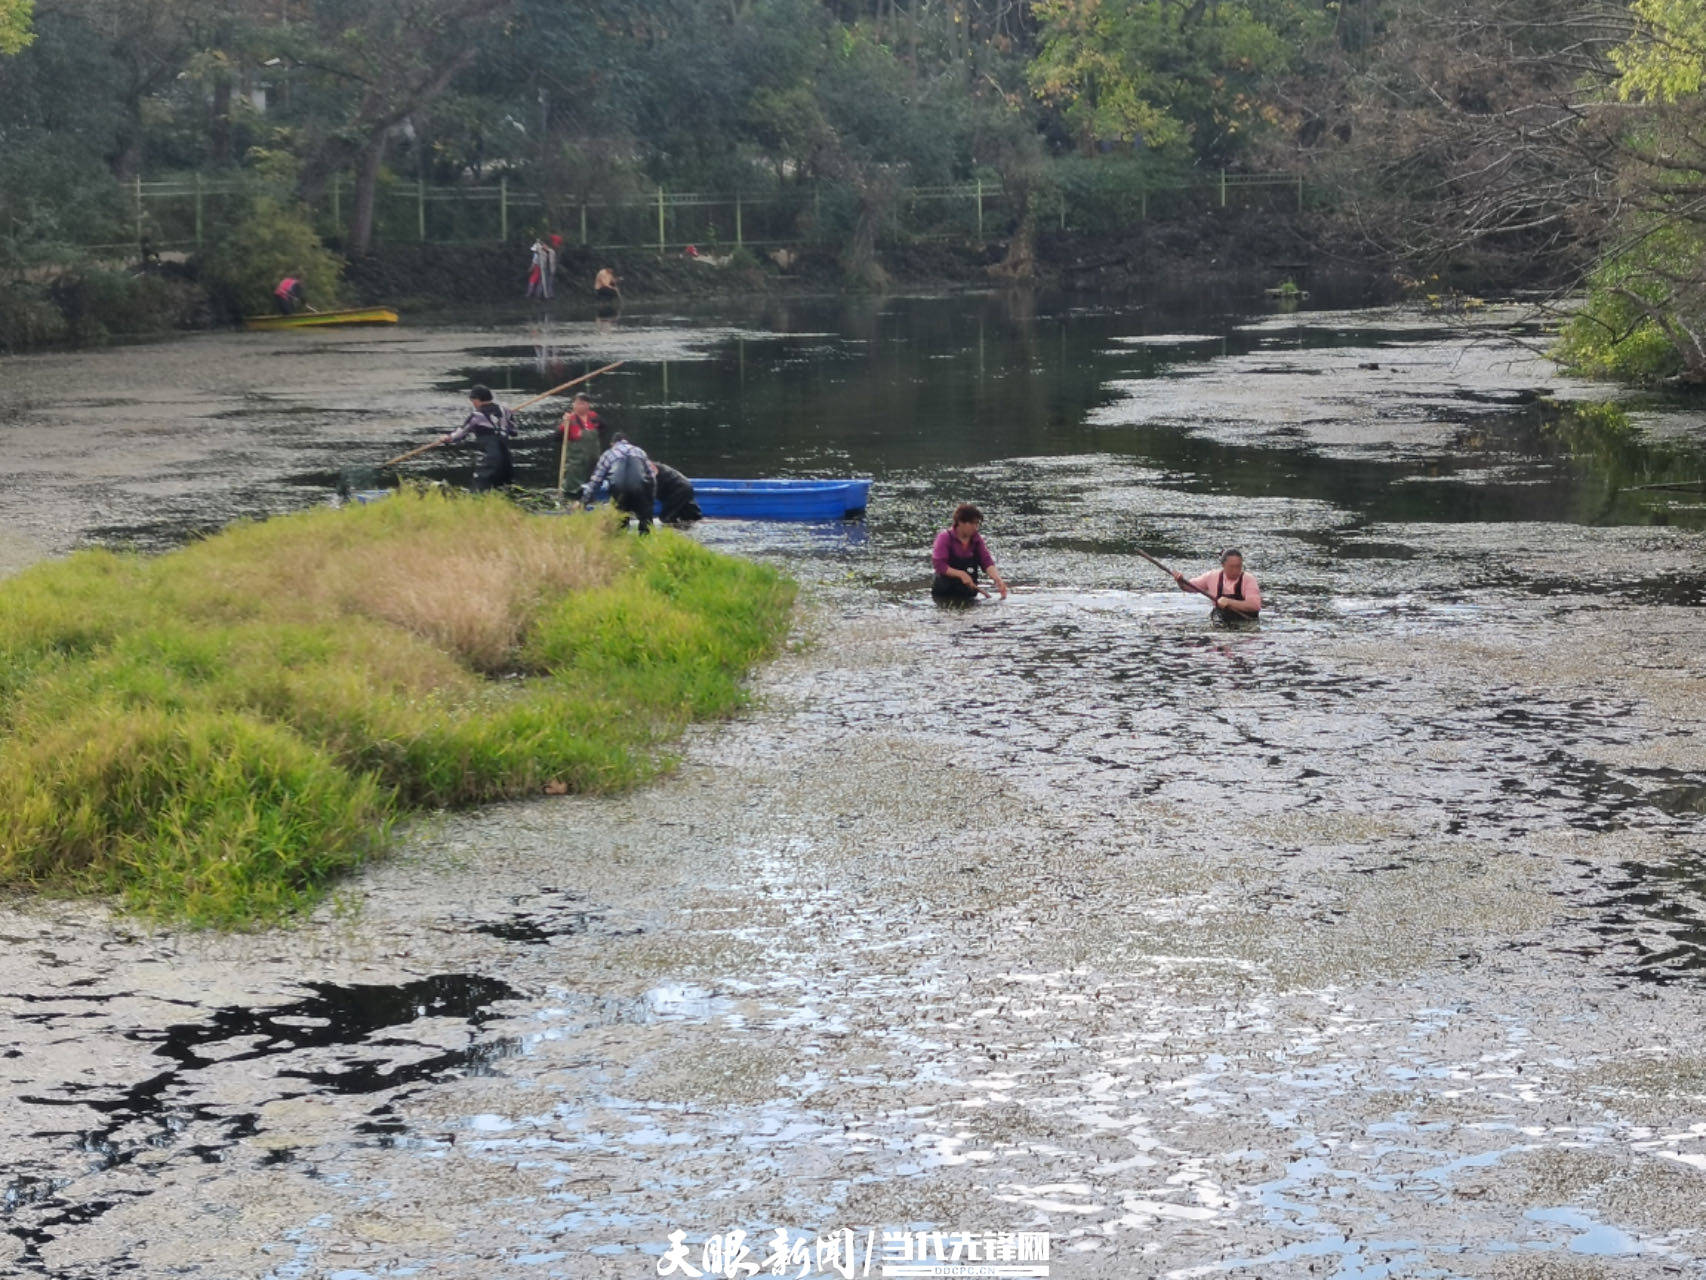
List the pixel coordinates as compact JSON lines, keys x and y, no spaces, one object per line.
{"x":959,"y":555}
{"x":1236,"y":594}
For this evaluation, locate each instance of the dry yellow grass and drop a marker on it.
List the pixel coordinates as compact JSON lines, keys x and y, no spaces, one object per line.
{"x":473,"y":601}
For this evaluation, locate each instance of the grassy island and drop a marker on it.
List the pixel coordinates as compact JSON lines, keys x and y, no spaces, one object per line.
{"x":214,"y":734}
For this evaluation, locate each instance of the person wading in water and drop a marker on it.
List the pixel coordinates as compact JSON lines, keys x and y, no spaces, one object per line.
{"x":492,"y":426}
{"x":588,"y":437}
{"x":959,"y":555}
{"x":1237,"y":595}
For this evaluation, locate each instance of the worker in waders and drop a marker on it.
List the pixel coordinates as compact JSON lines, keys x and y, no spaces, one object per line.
{"x":492,"y":427}
{"x":628,"y":472}
{"x":959,"y":554}
{"x":676,"y":504}
{"x":1236,"y":594}
{"x":588,"y":438}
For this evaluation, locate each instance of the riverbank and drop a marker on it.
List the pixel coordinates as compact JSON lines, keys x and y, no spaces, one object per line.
{"x":85,"y":305}
{"x":217,"y":733}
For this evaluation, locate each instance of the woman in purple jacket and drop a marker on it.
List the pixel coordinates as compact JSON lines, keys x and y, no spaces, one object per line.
{"x":960,"y":555}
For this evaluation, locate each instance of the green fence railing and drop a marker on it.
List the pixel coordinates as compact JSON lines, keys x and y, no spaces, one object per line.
{"x":186,"y":211}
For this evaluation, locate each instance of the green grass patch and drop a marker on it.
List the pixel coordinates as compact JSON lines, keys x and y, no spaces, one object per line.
{"x":215,"y":734}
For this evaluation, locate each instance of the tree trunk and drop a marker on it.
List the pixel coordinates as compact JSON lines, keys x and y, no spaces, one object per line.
{"x":220,"y":145}
{"x":1020,"y":262}
{"x":127,"y":160}
{"x":324,"y":162}
{"x":366,"y":193}
{"x":859,"y":262}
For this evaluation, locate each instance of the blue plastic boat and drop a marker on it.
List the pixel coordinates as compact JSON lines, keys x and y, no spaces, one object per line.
{"x":781,"y":499}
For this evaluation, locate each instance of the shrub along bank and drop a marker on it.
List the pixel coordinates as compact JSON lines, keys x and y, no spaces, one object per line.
{"x":216,"y":733}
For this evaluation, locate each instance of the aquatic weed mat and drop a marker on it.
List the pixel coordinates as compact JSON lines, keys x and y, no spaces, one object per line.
{"x":216,"y":733}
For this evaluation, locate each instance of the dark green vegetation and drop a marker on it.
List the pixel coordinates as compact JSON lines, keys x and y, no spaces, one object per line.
{"x":831,"y":110}
{"x":1481,"y":143}
{"x":217,"y":732}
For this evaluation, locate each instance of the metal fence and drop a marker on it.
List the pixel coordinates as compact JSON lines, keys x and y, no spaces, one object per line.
{"x":187,"y":211}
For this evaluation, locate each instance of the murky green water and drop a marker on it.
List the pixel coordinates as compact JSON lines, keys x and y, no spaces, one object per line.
{"x":1371,"y":939}
{"x":1236,"y":404}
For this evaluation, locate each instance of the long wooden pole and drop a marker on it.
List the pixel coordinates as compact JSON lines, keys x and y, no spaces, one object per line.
{"x":543,"y":395}
{"x":1164,"y":569}
{"x":404,"y":457}
{"x":572,"y":382}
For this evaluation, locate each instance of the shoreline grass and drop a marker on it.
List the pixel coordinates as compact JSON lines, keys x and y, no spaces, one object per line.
{"x":215,"y":734}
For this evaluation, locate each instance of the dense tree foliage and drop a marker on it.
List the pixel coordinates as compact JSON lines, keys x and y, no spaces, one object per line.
{"x":15,"y":24}
{"x":620,"y":95}
{"x":1568,"y":133}
{"x":1183,"y":75}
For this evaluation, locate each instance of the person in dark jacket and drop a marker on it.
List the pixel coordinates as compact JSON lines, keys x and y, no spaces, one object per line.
{"x":628,"y":472}
{"x":492,"y":427}
{"x":675,"y":496}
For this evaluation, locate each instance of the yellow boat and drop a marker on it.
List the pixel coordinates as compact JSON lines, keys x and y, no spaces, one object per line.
{"x":313,"y":319}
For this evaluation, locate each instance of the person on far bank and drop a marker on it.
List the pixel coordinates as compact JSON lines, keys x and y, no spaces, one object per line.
{"x":542,"y":269}
{"x":959,"y":555}
{"x":633,"y":487}
{"x":289,"y":297}
{"x":606,"y":284}
{"x":492,"y":427}
{"x":1236,"y":594}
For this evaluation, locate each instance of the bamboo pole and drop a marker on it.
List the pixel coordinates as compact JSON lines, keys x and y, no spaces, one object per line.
{"x":543,"y":395}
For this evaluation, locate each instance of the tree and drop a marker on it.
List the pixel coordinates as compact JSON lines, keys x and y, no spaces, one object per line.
{"x":1186,"y":76}
{"x":374,"y":64}
{"x":1646,"y":312}
{"x":148,"y":43}
{"x":1481,"y":125}
{"x":1662,"y":60}
{"x":15,"y":34}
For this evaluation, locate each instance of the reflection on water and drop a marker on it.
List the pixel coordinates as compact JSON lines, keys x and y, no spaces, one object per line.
{"x":1445,"y":426}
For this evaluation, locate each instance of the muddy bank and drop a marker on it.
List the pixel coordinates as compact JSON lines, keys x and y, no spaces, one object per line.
{"x":1311,"y":248}
{"x":1259,"y":249}
{"x":1222,"y":248}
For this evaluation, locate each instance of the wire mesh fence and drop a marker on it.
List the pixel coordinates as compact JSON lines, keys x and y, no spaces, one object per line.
{"x":188,"y":211}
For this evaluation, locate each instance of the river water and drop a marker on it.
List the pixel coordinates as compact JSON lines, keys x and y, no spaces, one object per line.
{"x":1366,"y":942}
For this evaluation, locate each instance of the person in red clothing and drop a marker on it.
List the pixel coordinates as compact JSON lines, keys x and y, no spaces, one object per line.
{"x":288,"y":296}
{"x":1236,"y":594}
{"x":959,"y":555}
{"x":588,"y":437}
